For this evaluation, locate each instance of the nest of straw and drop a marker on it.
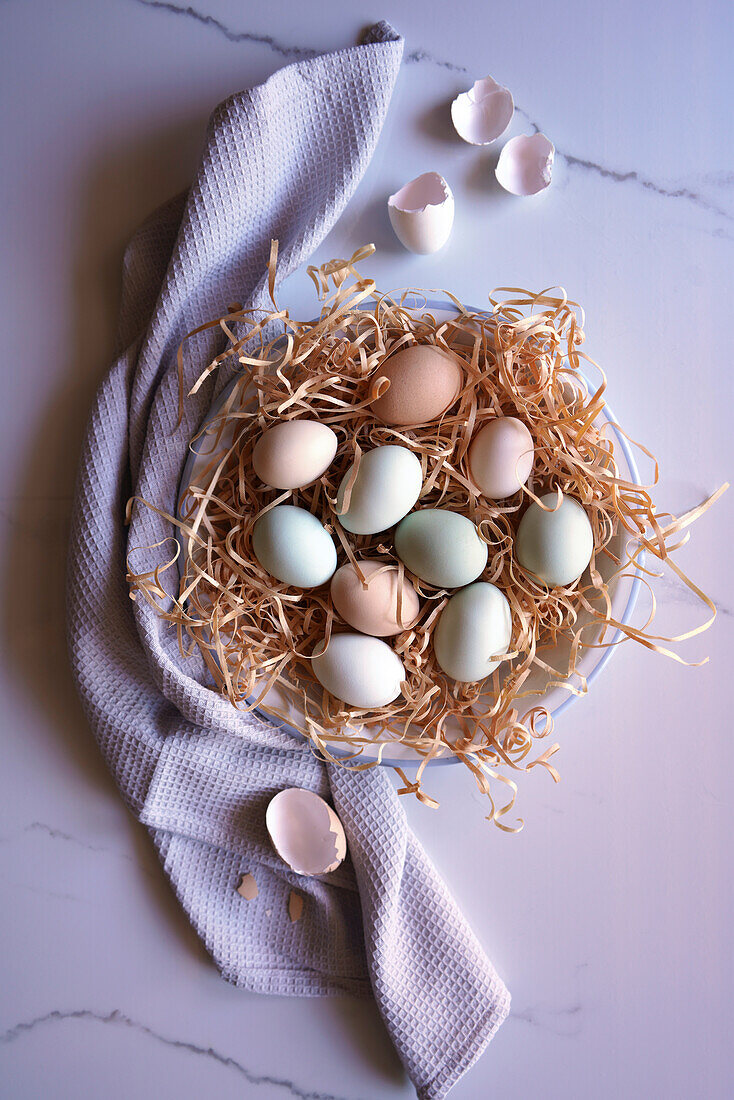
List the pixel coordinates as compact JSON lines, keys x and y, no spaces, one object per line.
{"x":523,"y":358}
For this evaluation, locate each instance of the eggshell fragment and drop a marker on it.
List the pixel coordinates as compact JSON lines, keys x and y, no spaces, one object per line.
{"x":501,"y":457}
{"x":555,"y":546}
{"x":295,"y":906}
{"x":388,"y":482}
{"x":374,"y":609}
{"x":441,"y":547}
{"x":422,"y":213}
{"x":293,"y":453}
{"x":424,"y":382}
{"x":474,"y":627}
{"x":247,"y":888}
{"x":305,"y":831}
{"x":361,"y":671}
{"x":291,"y":544}
{"x":483,"y":113}
{"x":525,"y":164}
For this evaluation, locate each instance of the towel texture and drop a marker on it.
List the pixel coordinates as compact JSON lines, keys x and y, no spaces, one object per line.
{"x":280,"y":160}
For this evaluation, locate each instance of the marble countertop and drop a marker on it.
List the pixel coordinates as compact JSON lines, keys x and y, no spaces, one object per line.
{"x":610,"y":915}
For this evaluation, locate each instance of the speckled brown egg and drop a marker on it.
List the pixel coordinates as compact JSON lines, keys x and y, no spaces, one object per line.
{"x":374,"y":609}
{"x":424,"y":382}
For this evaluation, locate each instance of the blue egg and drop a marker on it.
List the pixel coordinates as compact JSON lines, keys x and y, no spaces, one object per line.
{"x":293,"y":547}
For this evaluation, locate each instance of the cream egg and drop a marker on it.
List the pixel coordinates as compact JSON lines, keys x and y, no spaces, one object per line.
{"x":441,"y":547}
{"x":361,"y":671}
{"x":294,"y":547}
{"x":372,"y":608}
{"x":305,"y":831}
{"x":293,"y":453}
{"x":555,"y":546}
{"x":388,"y":483}
{"x":501,"y":457}
{"x":473,"y":632}
{"x":424,"y":381}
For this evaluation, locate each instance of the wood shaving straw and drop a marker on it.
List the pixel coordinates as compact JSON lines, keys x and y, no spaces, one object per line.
{"x":521,"y":358}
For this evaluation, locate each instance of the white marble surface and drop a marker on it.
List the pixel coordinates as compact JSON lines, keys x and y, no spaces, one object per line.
{"x":610,"y":915}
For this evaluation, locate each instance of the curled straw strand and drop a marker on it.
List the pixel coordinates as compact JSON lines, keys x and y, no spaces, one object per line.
{"x":521,"y":358}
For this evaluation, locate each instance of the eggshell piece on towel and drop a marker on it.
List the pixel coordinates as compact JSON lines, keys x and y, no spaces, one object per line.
{"x":424,"y":382}
{"x":555,"y":546}
{"x":525,"y":164}
{"x":441,"y":547}
{"x":388,"y":482}
{"x":374,"y":609}
{"x":422,"y":213}
{"x":361,"y":671}
{"x":305,"y":831}
{"x":474,"y":627}
{"x":501,"y":457}
{"x":293,"y":547}
{"x":293,"y":453}
{"x":483,"y":113}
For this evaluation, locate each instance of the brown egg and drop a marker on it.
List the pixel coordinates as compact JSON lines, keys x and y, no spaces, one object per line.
{"x":373,"y":610}
{"x":424,"y":382}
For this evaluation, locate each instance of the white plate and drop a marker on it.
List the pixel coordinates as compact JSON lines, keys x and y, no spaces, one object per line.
{"x":277,"y":706}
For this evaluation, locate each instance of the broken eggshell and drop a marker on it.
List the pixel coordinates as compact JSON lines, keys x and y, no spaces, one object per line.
{"x":305,"y":831}
{"x":422,"y":213}
{"x":483,"y":113}
{"x":525,"y":164}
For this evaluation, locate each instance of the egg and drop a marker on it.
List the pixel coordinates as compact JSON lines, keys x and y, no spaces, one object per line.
{"x":501,"y":457}
{"x":361,"y":671}
{"x":305,"y":831}
{"x":555,"y":546}
{"x":293,"y":453}
{"x":422,"y":213}
{"x":388,"y":483}
{"x":374,"y":609}
{"x":424,"y":382}
{"x":441,"y":547}
{"x":483,"y":113}
{"x":525,"y":164}
{"x":293,"y":546}
{"x":474,"y":626}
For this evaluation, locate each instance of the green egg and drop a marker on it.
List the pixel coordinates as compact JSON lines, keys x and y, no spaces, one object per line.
{"x":555,"y":546}
{"x":293,"y":547}
{"x":474,"y":626}
{"x":441,"y":547}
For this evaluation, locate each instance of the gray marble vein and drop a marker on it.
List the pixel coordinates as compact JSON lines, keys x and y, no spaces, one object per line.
{"x":115,"y":1018}
{"x":231,"y":35}
{"x":564,"y":1022}
{"x":419,"y":56}
{"x":617,"y":175}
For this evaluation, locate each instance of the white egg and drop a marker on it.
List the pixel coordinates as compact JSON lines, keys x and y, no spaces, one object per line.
{"x":525,"y":164}
{"x":360,"y":670}
{"x":305,"y":831}
{"x":422,"y":213}
{"x":388,"y":483}
{"x":474,"y":627}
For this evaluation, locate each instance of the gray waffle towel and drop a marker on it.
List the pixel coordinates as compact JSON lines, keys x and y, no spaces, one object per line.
{"x":280,"y":160}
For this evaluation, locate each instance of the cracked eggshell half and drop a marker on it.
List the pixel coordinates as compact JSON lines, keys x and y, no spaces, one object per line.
{"x":482,"y":114}
{"x":305,"y":831}
{"x":422,"y":213}
{"x":525,"y":164}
